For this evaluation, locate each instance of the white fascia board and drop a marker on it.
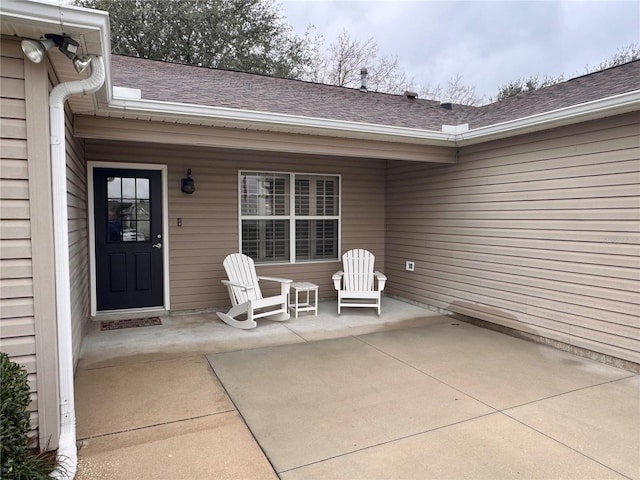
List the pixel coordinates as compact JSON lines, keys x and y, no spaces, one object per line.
{"x":450,"y":136}
{"x":60,"y":18}
{"x":614,"y":105}
{"x":284,"y":122}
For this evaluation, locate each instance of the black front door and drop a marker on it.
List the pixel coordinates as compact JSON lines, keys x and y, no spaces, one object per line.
{"x":128,"y":233}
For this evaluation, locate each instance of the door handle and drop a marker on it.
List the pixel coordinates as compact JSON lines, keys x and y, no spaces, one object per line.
{"x":157,"y":245}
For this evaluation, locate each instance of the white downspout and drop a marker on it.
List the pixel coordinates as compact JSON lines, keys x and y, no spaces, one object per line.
{"x":67,"y":451}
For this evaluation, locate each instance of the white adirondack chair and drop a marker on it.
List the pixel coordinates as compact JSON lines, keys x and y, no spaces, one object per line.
{"x":355,"y":284}
{"x":246,"y":296}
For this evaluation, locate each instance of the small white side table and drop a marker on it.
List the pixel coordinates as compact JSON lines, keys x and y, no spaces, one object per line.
{"x":307,"y":306}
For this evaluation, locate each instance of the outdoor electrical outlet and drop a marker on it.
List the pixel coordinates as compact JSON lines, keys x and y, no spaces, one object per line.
{"x":410,"y":266}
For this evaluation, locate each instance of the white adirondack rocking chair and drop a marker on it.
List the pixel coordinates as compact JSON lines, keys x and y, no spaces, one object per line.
{"x":355,"y":284}
{"x":246,"y":296}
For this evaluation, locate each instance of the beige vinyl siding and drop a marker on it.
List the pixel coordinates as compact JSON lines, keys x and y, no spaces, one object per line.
{"x":77,"y":199}
{"x":17,"y":323}
{"x":540,"y":233}
{"x":210,"y":216}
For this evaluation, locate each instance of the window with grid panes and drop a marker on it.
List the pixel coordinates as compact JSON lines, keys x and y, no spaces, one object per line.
{"x":289,"y":217}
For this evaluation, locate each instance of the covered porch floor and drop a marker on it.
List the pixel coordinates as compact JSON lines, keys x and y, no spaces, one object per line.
{"x":409,"y":394}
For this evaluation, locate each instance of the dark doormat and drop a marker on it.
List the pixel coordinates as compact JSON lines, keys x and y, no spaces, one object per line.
{"x":130,"y":323}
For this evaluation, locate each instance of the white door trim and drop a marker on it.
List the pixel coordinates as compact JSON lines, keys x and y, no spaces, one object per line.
{"x":165,"y":228}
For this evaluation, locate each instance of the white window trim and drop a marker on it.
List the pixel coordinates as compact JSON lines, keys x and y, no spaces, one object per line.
{"x":292,"y":216}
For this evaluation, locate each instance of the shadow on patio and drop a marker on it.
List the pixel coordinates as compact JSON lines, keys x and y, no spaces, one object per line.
{"x":409,"y":394}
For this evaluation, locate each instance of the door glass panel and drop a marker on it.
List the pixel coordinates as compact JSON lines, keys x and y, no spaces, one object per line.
{"x":142,"y":188}
{"x":129,"y":209}
{"x":114,"y":187}
{"x":128,"y":188}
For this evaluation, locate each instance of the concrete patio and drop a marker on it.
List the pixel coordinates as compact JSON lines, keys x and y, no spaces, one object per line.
{"x":409,"y":394}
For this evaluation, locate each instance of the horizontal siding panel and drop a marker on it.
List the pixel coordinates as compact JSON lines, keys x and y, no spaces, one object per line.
{"x":16,"y":308}
{"x":530,"y":224}
{"x":78,"y":234}
{"x":611,"y":277}
{"x":490,"y":315}
{"x":17,"y":327}
{"x":16,"y":287}
{"x":14,"y":169}
{"x":13,"y":128}
{"x":526,"y":205}
{"x":31,"y":382}
{"x":584,"y":302}
{"x":511,"y":150}
{"x":15,"y":229}
{"x":13,"y":108}
{"x":12,"y":49}
{"x":540,"y":233}
{"x":623,"y":147}
{"x":494,"y":234}
{"x":625,"y":214}
{"x":597,"y":195}
{"x":18,"y":346}
{"x":12,"y":88}
{"x":534,"y":189}
{"x":27,"y":362}
{"x":12,"y":67}
{"x":15,"y":249}
{"x":555,"y":138}
{"x":620,"y":244}
{"x":13,"y":148}
{"x":468,"y":173}
{"x":15,"y":209}
{"x":14,"y":189}
{"x":536,"y":316}
{"x":17,"y":268}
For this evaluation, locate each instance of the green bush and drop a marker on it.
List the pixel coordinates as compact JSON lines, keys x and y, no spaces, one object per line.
{"x":18,"y":462}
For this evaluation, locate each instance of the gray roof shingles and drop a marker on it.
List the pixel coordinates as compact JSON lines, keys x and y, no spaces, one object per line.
{"x":163,"y":81}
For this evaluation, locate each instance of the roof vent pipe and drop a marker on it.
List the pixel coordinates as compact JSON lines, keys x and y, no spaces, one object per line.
{"x":446,"y":104}
{"x":363,"y":80}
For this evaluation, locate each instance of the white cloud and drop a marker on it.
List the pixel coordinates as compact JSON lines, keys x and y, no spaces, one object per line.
{"x":488,"y":42}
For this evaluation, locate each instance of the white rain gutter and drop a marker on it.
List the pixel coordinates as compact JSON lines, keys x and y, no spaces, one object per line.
{"x":451,"y":135}
{"x":281,"y":122}
{"x":614,"y":105}
{"x":67,"y":451}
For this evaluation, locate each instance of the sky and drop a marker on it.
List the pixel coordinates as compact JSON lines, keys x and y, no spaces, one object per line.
{"x":487,"y":42}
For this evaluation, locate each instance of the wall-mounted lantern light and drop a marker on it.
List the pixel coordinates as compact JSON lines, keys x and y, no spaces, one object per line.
{"x":35,"y":50}
{"x":188,"y":185}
